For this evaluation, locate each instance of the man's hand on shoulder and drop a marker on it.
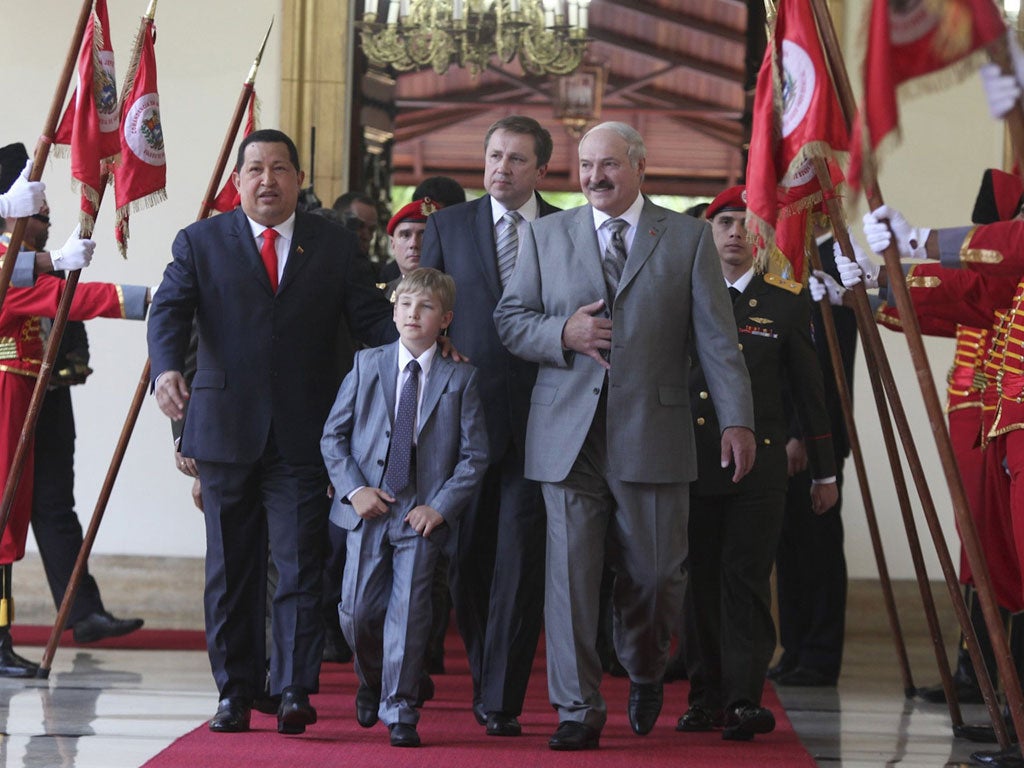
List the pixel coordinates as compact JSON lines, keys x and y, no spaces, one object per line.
{"x":171,"y":394}
{"x":370,"y":503}
{"x":448,"y":350}
{"x":424,"y":519}
{"x":738,"y":448}
{"x":588,"y":334}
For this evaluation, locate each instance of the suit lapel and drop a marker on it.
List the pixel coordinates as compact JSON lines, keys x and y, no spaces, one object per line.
{"x":586,"y":247}
{"x":441,"y":370}
{"x":387,"y":367}
{"x":248,"y":250}
{"x":483,"y":236}
{"x":303,"y":239}
{"x":649,"y":230}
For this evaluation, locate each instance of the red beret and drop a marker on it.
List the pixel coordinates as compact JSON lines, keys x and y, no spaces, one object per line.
{"x":733,"y":199}
{"x":417,"y":211}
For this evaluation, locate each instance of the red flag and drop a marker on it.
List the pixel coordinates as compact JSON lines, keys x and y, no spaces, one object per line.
{"x":90,"y":123}
{"x":141,"y":176}
{"x":228,"y":198}
{"x":797,"y":118}
{"x":908,"y":40}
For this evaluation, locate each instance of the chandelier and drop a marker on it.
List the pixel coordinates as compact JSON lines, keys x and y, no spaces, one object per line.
{"x":550,"y":36}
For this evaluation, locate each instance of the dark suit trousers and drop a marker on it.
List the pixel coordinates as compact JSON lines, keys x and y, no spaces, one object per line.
{"x":246,"y":505}
{"x":730,"y":635}
{"x":811,"y":580}
{"x":497,"y":583}
{"x":54,"y":522}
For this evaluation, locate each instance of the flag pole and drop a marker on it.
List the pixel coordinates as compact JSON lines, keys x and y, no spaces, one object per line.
{"x":968,"y":533}
{"x":835,"y":214}
{"x":45,"y":141}
{"x":143,"y":385}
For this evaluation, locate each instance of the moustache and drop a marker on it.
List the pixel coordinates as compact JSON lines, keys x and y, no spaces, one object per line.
{"x":601,"y":185}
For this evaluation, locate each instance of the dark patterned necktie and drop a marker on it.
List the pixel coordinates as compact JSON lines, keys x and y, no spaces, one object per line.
{"x":614,"y":259}
{"x":508,"y":246}
{"x":396,"y":476}
{"x":734,"y":293}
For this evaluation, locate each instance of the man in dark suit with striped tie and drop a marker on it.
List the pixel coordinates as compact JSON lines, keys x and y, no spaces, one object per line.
{"x":497,"y":570}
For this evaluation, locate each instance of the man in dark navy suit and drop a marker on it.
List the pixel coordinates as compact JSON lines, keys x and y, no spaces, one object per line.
{"x":267,"y":287}
{"x":497,"y":570}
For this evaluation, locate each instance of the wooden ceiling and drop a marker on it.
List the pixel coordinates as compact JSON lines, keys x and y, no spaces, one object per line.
{"x":677,"y":70}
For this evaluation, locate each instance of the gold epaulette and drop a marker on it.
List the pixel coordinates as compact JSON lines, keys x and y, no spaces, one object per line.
{"x":780,"y":282}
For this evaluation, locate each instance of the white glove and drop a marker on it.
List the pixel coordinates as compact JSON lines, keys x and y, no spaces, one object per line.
{"x":24,"y":198}
{"x":821,"y":283}
{"x":867,"y":267}
{"x":76,"y":253}
{"x":1001,"y":91}
{"x":909,"y":240}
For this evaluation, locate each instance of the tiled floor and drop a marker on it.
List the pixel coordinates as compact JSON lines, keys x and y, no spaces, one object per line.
{"x":116,"y":709}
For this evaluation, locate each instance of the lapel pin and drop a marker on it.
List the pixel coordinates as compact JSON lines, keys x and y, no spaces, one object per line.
{"x":652,"y":232}
{"x":753,"y":302}
{"x":299,"y":249}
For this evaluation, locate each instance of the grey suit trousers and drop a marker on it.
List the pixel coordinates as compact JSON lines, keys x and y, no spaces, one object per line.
{"x":641,"y":529}
{"x":385,"y":608}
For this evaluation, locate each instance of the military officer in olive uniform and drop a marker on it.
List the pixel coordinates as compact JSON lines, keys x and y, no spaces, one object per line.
{"x":734,"y":527}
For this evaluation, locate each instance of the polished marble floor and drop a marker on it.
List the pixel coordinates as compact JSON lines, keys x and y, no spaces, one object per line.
{"x":116,"y":709}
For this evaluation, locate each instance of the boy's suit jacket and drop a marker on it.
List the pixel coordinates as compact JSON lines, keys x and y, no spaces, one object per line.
{"x":451,"y":441}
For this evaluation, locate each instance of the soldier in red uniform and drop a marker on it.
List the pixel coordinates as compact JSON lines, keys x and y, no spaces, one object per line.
{"x":21,"y":353}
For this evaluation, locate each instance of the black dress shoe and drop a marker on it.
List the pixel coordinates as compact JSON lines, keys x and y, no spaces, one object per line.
{"x":403,"y":735}
{"x":366,"y":706}
{"x":806,"y":677}
{"x":784,"y":666}
{"x":101,"y":625}
{"x":426,"y":690}
{"x":967,"y":692}
{"x":743,"y":720}
{"x":644,"y":706}
{"x":11,"y":664}
{"x":232,"y":716}
{"x":696,"y":718}
{"x":1010,"y":758}
{"x":295,"y":712}
{"x":572,"y":737}
{"x":478,"y":712}
{"x":500,"y":724}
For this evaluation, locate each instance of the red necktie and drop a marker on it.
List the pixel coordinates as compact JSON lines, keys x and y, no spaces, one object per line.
{"x":269,"y":255}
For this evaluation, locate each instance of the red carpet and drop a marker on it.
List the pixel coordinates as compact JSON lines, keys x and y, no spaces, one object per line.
{"x":141,"y":639}
{"x":452,"y":739}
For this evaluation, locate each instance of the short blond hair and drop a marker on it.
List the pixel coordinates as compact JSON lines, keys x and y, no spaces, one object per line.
{"x":432,"y":281}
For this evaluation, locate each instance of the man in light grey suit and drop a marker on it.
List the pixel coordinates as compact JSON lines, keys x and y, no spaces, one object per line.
{"x":609,"y":433}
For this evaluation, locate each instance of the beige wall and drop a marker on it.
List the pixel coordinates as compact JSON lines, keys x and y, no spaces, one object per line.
{"x":204,"y":50}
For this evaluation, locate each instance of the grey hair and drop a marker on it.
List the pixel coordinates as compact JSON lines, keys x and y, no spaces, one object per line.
{"x":636,"y":151}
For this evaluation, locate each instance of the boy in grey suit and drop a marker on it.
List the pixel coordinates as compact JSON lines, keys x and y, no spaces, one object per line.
{"x":405,"y":448}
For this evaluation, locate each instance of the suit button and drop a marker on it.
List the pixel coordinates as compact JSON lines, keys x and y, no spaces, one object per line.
{"x":380,"y":462}
{"x":597,"y":390}
{"x":767,"y":441}
{"x":387,"y":433}
{"x":703,"y":395}
{"x":740,"y":345}
{"x":700,"y":421}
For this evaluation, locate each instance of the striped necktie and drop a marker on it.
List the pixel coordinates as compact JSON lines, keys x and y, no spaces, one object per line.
{"x":396,"y":476}
{"x":614,"y":259}
{"x":508,"y":246}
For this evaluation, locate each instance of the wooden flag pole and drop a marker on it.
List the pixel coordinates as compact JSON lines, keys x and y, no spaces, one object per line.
{"x":140,"y":390}
{"x":936,"y":417}
{"x":846,"y":402}
{"x":45,"y":141}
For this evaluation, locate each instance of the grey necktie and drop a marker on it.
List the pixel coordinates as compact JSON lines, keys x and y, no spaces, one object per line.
{"x":508,"y":246}
{"x":614,"y":259}
{"x":396,"y":476}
